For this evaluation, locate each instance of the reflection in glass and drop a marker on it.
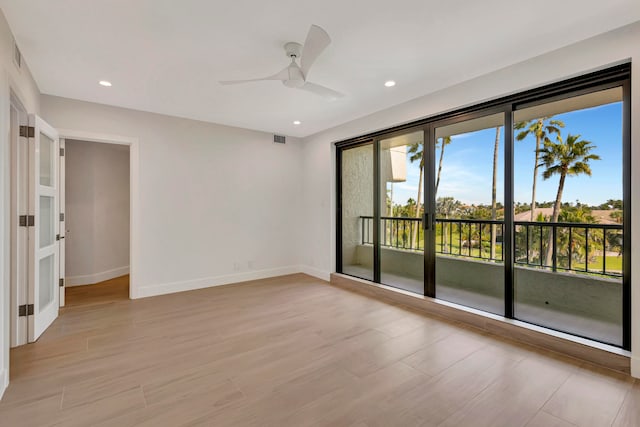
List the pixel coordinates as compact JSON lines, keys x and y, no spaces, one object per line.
{"x":357,"y":211}
{"x":568,"y":215}
{"x":46,"y":284}
{"x":46,"y":160}
{"x":470,"y":213}
{"x":401,"y":209}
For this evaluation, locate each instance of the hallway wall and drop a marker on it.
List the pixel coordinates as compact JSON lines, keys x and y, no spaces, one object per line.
{"x":21,"y":83}
{"x":97,"y":212}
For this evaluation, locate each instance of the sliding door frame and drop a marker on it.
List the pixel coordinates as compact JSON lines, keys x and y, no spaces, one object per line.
{"x":617,"y":76}
{"x":339,"y":151}
{"x":507,"y":242}
{"x":377,"y":188}
{"x":625,"y":85}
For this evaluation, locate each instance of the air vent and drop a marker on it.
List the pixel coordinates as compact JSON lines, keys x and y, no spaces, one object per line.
{"x":279,"y":139}
{"x":17,"y":56}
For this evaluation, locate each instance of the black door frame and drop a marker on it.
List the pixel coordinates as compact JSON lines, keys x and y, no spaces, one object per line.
{"x":507,"y":197}
{"x":377,"y":190}
{"x":617,"y":76}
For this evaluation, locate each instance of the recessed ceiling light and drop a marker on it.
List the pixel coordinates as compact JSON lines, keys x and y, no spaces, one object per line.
{"x":296,"y":122}
{"x":390,"y":83}
{"x":104,"y":83}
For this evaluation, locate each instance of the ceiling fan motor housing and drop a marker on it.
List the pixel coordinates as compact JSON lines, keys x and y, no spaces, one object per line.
{"x":293,"y":49}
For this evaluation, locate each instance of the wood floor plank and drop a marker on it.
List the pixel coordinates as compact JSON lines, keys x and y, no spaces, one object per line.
{"x":436,"y":358}
{"x":629,"y":413}
{"x":603,"y":397}
{"x":515,"y":396}
{"x":292,"y":351}
{"x":543,"y":419}
{"x":97,"y":411}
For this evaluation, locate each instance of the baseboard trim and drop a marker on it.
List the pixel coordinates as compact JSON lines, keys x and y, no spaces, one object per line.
{"x":315,"y":272}
{"x":579,"y":348}
{"x":635,"y":367}
{"x":208,"y":282}
{"x":4,"y":382}
{"x":91,"y":279}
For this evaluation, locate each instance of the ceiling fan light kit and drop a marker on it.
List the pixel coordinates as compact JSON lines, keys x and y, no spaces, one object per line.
{"x":295,"y":76}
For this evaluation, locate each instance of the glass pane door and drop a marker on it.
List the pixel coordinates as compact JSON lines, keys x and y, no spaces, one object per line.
{"x":357,"y":211}
{"x":401,"y":207}
{"x":43,"y":243}
{"x":469,"y":211}
{"x":569,"y":208}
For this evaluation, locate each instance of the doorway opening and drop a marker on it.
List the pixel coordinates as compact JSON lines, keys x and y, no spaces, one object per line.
{"x":96,"y":205}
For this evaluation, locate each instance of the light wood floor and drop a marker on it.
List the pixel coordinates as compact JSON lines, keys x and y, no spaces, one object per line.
{"x":101,"y":293}
{"x":293,"y":351}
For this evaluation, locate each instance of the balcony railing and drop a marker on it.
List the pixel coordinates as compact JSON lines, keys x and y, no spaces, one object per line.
{"x":577,"y":247}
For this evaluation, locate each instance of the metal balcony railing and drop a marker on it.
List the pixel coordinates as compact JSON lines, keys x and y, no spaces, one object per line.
{"x":576,"y":247}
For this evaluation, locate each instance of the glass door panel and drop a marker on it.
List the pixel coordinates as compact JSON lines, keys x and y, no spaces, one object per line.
{"x":46,"y":282}
{"x":469,"y":211}
{"x":43,"y":246}
{"x":47,"y":222}
{"x":357,"y":211}
{"x":46,"y":159}
{"x":401,"y":235}
{"x":568,"y":212}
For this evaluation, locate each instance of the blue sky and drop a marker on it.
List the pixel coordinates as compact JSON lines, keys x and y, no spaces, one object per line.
{"x":468,"y":163}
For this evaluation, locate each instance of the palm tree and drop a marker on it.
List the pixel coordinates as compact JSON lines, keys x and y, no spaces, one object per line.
{"x":416,"y":153}
{"x":580,"y":215}
{"x":444,"y":142}
{"x":496,"y":145}
{"x":568,"y":158}
{"x":542,"y":129}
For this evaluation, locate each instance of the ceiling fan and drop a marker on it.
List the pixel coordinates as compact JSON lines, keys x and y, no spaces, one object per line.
{"x":295,"y":76}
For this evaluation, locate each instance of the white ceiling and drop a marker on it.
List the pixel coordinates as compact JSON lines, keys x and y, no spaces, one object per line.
{"x":166,"y":56}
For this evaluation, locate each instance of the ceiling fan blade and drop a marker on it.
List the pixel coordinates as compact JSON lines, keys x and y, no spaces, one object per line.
{"x":282,"y":75}
{"x":321,"y":90}
{"x":316,"y":42}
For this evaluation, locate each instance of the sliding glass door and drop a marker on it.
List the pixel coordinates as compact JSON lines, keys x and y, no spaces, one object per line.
{"x":518,"y":208}
{"x":401,"y":208}
{"x":469,"y":212}
{"x":569,"y":214}
{"x":356,"y":168}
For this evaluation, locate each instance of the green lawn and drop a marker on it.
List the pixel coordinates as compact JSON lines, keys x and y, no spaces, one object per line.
{"x":614,"y":263}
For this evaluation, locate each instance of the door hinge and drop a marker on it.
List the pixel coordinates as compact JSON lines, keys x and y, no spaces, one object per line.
{"x":61,"y":282}
{"x":27,"y":131}
{"x":61,"y":152}
{"x":61,"y":216}
{"x":25,"y":310}
{"x":26,"y":221}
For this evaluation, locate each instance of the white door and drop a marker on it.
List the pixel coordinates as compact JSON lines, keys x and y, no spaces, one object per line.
{"x":44,"y":218}
{"x":63,"y":230}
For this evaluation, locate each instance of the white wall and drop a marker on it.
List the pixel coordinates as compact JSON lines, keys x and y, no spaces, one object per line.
{"x":96,"y":212}
{"x":596,"y":53}
{"x":216,"y":204}
{"x":22,"y":84}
